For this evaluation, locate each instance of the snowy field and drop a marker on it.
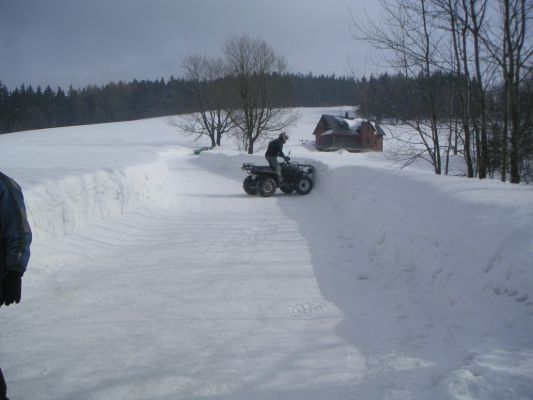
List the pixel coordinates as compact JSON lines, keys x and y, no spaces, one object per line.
{"x":154,"y":276}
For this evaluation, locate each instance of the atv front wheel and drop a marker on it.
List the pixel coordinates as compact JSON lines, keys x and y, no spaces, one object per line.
{"x":248,"y":186}
{"x":304,"y":185}
{"x":267,"y":187}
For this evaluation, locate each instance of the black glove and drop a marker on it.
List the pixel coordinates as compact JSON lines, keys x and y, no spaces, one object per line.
{"x":11,"y":288}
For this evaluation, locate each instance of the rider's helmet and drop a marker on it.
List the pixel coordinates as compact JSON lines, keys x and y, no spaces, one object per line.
{"x":284,"y":137}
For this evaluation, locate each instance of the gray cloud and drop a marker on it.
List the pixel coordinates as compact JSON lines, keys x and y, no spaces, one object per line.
{"x":62,"y":42}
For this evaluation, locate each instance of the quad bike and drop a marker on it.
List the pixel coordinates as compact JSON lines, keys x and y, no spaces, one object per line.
{"x":264,"y":180}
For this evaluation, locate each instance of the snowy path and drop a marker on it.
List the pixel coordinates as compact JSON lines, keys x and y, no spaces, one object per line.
{"x":182,"y":304}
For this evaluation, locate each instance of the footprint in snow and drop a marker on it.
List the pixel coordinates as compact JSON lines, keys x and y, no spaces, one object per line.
{"x":307,"y":309}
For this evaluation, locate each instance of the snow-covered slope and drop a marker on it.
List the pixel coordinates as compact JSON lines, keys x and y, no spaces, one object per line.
{"x":153,"y":275}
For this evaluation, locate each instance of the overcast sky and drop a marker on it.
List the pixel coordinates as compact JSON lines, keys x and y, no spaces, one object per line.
{"x":81,"y":42}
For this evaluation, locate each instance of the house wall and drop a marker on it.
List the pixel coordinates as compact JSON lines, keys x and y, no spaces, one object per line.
{"x":368,"y":136}
{"x":345,"y":140}
{"x":339,"y":141}
{"x":319,"y":130}
{"x":378,"y":144}
{"x":318,"y":138}
{"x":325,"y":140}
{"x":370,"y":139}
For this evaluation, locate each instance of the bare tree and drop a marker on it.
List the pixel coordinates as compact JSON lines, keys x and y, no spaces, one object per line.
{"x":206,"y":77}
{"x":512,"y":48}
{"x":483,"y":51}
{"x":456,"y":16}
{"x":459,"y":39}
{"x":516,"y":54}
{"x":407,"y":31}
{"x":477,"y":12}
{"x":255,"y":71}
{"x":491,"y":90}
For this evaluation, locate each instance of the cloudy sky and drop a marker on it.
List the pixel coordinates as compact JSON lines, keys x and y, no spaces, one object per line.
{"x":81,"y":42}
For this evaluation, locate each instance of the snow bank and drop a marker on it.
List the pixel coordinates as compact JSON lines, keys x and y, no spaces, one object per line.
{"x":494,"y":376}
{"x":60,"y":207}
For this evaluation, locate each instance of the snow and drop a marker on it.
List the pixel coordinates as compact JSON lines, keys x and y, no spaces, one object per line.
{"x":352,"y":124}
{"x":154,"y":276}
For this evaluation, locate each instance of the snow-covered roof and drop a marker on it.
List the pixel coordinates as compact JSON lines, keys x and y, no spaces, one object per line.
{"x":347,"y":126}
{"x":379,"y":130}
{"x":343,"y":126}
{"x":351,"y":124}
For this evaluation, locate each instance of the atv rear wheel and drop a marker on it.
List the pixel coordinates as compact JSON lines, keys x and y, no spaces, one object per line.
{"x":267,"y":187}
{"x":248,"y":186}
{"x":287,"y":188}
{"x":304,"y":185}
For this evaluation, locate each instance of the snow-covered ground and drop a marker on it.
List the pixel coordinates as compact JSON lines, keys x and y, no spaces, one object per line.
{"x":154,"y":276}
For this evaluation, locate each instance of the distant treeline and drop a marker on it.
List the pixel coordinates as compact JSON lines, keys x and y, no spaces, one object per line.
{"x":27,"y":108}
{"x":383,"y":96}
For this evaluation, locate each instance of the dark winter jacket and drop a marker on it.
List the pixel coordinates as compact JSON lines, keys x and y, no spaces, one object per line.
{"x":275,"y":148}
{"x":15,"y":232}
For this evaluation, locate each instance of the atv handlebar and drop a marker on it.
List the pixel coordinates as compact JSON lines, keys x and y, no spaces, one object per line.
{"x":247,"y":166}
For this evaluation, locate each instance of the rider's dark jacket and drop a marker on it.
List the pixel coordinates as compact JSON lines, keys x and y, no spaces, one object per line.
{"x":15,"y":232}
{"x":275,"y":148}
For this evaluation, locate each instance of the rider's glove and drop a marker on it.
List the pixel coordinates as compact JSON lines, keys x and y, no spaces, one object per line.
{"x":11,"y":288}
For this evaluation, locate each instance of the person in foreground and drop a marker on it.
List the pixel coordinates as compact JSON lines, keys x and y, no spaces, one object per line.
{"x":275,"y":150}
{"x":15,"y":240}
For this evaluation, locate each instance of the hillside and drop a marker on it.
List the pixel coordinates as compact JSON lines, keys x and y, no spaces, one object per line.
{"x":154,"y":276}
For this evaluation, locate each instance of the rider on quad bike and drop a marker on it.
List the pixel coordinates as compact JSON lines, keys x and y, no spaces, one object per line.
{"x":287,"y":176}
{"x":275,"y":150}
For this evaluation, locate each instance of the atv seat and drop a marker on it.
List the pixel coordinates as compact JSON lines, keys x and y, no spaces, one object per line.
{"x":262,"y":170}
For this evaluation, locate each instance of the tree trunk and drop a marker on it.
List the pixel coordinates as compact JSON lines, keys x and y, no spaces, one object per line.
{"x":437,"y":163}
{"x":467,"y":100}
{"x":514,"y":35}
{"x":250,"y":147}
{"x":481,"y":132}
